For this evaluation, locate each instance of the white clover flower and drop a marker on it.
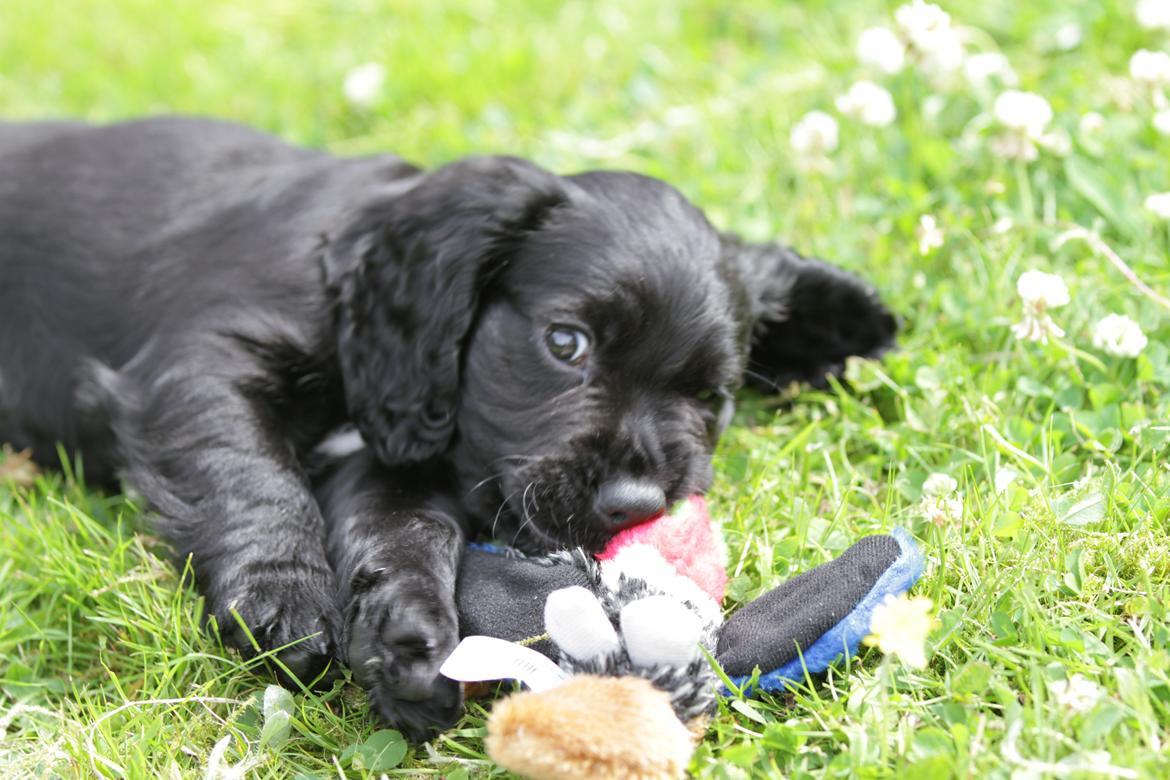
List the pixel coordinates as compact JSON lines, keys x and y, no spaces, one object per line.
{"x":363,"y":84}
{"x":945,"y":61}
{"x":1037,"y":288}
{"x":939,"y":484}
{"x":813,"y":137}
{"x":1004,"y":477}
{"x":1091,"y":123}
{"x":980,"y":69}
{"x":1159,"y":204}
{"x":1025,"y":112}
{"x":1150,"y":67}
{"x":871,"y":104}
{"x":900,"y":625}
{"x":1039,"y":292}
{"x":1153,"y":14}
{"x":879,"y":48}
{"x":929,"y":35}
{"x":1119,"y":336}
{"x":1025,"y":117}
{"x":1078,"y":693}
{"x":930,"y":235}
{"x":1003,"y":225}
{"x":1162,"y":121}
{"x":932,"y":106}
{"x":939,"y":504}
{"x":924,"y":25}
{"x":1068,"y":36}
{"x":942,"y":511}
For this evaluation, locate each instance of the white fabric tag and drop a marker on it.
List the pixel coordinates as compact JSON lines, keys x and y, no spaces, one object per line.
{"x":479,"y":658}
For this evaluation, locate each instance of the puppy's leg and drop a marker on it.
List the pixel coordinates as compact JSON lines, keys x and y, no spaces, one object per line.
{"x":396,"y":551}
{"x":211,"y":459}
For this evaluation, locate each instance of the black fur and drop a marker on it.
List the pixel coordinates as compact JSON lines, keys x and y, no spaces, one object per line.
{"x":197,"y":305}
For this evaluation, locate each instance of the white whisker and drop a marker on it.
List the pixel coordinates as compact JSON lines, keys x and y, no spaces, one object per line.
{"x":500,"y":511}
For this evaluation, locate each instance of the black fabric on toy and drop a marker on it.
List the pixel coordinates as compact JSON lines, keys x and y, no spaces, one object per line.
{"x":768,"y":632}
{"x":502,"y":594}
{"x":867,"y":562}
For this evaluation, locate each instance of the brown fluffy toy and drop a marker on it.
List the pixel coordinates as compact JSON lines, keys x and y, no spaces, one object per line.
{"x":581,"y":731}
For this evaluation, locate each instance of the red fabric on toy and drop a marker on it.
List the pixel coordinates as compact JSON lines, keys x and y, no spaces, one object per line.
{"x":686,"y":539}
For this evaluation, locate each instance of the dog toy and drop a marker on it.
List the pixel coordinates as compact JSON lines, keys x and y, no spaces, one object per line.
{"x":630,"y":632}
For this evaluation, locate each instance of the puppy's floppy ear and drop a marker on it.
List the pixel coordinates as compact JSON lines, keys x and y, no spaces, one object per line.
{"x":407,"y":275}
{"x":806,"y":317}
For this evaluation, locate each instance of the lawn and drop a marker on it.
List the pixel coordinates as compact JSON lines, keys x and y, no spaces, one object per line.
{"x":1048,"y":562}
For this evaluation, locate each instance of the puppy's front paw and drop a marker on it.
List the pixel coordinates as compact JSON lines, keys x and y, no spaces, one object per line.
{"x":279,"y":611}
{"x":398,"y":638}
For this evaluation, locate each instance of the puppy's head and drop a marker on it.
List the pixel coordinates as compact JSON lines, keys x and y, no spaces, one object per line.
{"x":572,"y":345}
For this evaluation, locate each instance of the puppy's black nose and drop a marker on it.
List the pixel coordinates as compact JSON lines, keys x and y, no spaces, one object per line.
{"x":626,"y":502}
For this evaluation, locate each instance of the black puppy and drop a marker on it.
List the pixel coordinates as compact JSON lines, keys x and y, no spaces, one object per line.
{"x":539,"y":358}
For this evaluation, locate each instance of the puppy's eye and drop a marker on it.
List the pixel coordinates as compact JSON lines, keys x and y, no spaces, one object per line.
{"x":568,"y":345}
{"x":706,"y":396}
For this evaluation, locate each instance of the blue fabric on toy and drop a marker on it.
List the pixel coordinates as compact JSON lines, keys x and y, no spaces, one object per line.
{"x":846,"y":635}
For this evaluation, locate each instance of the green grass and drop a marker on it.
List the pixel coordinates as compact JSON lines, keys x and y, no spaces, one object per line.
{"x":103,"y":669}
